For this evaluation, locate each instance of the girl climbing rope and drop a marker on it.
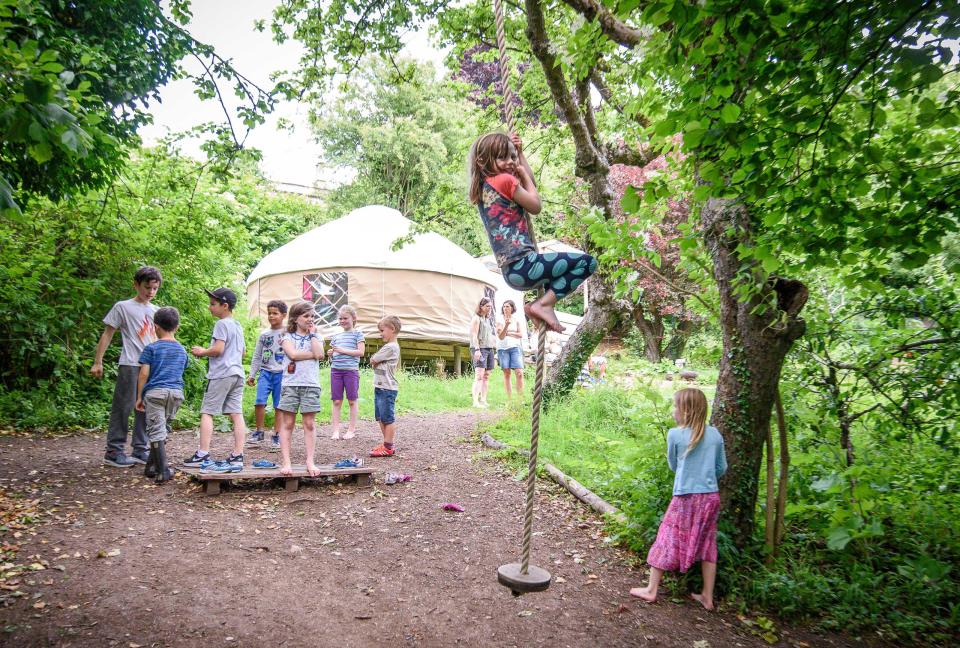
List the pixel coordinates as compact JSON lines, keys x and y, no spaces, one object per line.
{"x":502,"y":188}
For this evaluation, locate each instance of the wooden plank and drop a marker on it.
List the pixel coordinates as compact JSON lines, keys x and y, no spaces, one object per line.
{"x":299,"y":472}
{"x":363,"y":480}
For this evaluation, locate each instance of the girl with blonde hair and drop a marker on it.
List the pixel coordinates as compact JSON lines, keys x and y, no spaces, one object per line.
{"x":688,"y":532}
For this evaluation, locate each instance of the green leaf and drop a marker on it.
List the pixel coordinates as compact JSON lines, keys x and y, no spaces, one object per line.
{"x":41,"y":152}
{"x":69,"y":139}
{"x":838,"y":538}
{"x":730,"y":113}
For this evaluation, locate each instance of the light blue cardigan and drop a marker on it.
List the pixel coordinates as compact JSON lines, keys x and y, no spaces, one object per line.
{"x":698,"y":471}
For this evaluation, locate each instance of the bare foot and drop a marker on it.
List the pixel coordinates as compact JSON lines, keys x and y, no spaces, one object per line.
{"x":643,"y":593}
{"x":336,"y":435}
{"x":703,"y":600}
{"x":544,"y":314}
{"x":350,"y":434}
{"x":312,"y":469}
{"x":286,"y":469}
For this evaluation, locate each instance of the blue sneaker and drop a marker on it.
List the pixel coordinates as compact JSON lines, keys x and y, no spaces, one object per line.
{"x":275,"y":443}
{"x":264,"y":464}
{"x":197,"y":460}
{"x":255,"y":438}
{"x":221,"y":467}
{"x":354,"y":462}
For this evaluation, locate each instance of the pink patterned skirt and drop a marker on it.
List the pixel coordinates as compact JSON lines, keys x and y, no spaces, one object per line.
{"x":688,"y":533}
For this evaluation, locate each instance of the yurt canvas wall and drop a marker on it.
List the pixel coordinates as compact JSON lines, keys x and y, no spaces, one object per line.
{"x":431,"y":284}
{"x":432,"y":306}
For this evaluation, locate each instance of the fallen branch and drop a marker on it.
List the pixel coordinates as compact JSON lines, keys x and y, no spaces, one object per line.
{"x":584,"y":494}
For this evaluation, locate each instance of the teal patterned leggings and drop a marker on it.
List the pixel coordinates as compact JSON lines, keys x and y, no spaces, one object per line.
{"x":561,"y":272}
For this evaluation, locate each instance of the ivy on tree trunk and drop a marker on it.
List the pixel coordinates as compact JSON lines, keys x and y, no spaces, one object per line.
{"x":757,"y":334}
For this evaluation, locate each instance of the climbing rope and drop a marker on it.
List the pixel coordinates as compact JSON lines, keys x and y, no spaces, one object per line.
{"x":507,"y":106}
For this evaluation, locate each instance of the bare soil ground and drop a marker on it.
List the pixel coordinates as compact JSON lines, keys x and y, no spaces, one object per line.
{"x":118,"y":561}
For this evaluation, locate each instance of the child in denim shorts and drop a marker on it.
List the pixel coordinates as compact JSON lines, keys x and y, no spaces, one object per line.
{"x":385,"y":386}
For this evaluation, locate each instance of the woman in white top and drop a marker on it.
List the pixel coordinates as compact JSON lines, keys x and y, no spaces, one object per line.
{"x":509,"y":350}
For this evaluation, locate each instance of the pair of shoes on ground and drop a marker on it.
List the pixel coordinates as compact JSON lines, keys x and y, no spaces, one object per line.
{"x":257,"y":437}
{"x":123,"y":460}
{"x":207,"y":464}
{"x":383,"y":451}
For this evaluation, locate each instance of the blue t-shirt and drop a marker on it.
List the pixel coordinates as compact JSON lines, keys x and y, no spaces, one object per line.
{"x":346,"y":340}
{"x":698,"y":471}
{"x":167,"y":360}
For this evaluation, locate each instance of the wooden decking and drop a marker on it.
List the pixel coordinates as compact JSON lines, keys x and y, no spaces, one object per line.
{"x":213,"y":481}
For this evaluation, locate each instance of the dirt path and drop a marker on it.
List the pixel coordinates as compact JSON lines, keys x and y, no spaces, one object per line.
{"x":131,"y":564}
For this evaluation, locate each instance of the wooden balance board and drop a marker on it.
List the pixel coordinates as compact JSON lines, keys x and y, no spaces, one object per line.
{"x":212,"y":481}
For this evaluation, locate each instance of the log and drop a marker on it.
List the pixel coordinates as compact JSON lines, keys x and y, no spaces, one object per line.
{"x":584,"y":494}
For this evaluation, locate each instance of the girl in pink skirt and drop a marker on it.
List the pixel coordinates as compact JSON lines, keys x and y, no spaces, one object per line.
{"x":688,"y":532}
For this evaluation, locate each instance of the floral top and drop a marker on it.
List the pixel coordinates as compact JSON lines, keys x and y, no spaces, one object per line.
{"x":504,"y":220}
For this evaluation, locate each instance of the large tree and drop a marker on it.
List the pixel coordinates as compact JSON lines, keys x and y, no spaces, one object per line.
{"x":76,"y":79}
{"x":791,"y":158}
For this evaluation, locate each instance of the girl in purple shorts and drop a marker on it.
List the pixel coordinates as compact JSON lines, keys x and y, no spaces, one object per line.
{"x":346,"y":349}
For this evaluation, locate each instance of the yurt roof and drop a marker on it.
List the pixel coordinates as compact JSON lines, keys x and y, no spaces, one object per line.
{"x":363,"y":239}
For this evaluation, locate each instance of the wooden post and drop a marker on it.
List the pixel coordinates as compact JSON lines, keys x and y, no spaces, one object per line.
{"x":457,"y":370}
{"x":211,"y":486}
{"x":291,"y":484}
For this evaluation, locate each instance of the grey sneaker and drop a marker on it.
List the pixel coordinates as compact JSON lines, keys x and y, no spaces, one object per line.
{"x":118,"y":460}
{"x":275,"y":443}
{"x":140,"y":456}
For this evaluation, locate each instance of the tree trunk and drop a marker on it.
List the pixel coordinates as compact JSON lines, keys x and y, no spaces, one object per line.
{"x":770,"y":517}
{"x":678,"y":341}
{"x":784,"y":468}
{"x":757,"y":334}
{"x":604,"y":314}
{"x":652,"y":331}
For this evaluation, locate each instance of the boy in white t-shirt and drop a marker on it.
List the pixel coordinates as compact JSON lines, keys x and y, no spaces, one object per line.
{"x":225,"y":377}
{"x":134,"y":319}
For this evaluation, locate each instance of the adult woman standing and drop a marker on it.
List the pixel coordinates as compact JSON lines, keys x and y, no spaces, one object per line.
{"x":483,"y":341}
{"x":509,"y":351}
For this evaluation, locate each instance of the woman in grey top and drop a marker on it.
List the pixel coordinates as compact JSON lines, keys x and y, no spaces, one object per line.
{"x":483,"y":342}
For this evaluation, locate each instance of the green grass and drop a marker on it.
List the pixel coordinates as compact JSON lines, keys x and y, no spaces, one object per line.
{"x":418,"y":394}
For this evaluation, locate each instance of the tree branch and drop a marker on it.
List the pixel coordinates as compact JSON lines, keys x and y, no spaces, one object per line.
{"x":586,"y":109}
{"x":629,"y":155}
{"x":590,"y":163}
{"x":597,"y":80}
{"x":614,"y":29}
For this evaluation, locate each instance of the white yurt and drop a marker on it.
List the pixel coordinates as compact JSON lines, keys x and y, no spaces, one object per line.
{"x":430,"y":283}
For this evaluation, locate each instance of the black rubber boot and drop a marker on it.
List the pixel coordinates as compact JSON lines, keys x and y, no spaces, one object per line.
{"x":150,"y":470}
{"x":164,"y":471}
